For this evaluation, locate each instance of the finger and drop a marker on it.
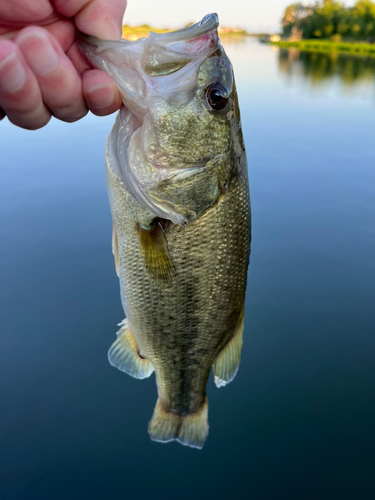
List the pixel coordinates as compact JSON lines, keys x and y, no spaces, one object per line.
{"x":101,"y":18}
{"x":19,"y":13}
{"x":20,"y":95}
{"x":2,"y":114}
{"x":101,"y":92}
{"x":99,"y":89}
{"x":64,"y":31}
{"x":59,"y":82}
{"x":79,"y":62}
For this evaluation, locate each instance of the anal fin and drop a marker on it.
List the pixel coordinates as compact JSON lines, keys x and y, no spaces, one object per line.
{"x":124,"y":354}
{"x":190,"y":430}
{"x":228,"y":360}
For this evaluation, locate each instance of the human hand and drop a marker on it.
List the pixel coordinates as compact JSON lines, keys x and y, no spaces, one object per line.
{"x":42,"y":72}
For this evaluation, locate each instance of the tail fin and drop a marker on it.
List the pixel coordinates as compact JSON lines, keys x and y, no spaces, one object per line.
{"x":191,"y":430}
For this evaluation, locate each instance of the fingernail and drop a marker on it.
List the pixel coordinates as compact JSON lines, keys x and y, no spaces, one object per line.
{"x":12,"y":74}
{"x":101,"y":95}
{"x":39,"y":53}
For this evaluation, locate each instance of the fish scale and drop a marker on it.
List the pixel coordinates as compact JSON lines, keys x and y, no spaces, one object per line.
{"x":210,"y":256}
{"x":179,"y":195}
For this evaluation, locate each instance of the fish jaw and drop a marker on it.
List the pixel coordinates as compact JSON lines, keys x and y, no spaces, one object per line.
{"x":119,"y":139}
{"x":162,"y":80}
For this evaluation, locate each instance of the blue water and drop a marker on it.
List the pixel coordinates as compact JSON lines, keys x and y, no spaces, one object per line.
{"x":298,"y":421}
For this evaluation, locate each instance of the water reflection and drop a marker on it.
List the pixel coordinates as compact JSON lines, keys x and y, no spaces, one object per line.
{"x":319,"y":67}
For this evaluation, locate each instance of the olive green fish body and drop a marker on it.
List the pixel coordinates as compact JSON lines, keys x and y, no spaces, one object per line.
{"x":182,"y":322}
{"x":179,"y":195}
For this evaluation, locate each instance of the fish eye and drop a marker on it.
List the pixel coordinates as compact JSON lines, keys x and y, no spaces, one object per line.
{"x":217,"y":96}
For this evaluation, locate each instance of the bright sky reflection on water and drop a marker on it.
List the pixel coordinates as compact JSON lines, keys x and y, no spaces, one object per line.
{"x":298,"y":420}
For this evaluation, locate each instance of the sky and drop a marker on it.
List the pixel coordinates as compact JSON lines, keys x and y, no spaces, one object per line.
{"x":254,"y":15}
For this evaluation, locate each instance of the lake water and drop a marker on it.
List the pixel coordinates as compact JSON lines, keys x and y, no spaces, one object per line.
{"x":298,"y":421}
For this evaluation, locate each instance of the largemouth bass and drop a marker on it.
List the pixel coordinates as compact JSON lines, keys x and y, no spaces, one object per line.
{"x":179,"y":197}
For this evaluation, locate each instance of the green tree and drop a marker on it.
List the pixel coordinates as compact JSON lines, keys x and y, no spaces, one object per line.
{"x":293,"y":16}
{"x":363,"y":20}
{"x":327,"y":18}
{"x":324,"y":20}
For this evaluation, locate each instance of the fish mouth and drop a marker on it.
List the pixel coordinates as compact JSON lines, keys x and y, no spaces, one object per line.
{"x":164,"y":64}
{"x":187,"y":43}
{"x":209,"y":23}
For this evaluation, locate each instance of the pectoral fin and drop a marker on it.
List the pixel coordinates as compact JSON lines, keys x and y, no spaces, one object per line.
{"x":115,"y":250}
{"x":124,"y":354}
{"x":228,"y":360}
{"x":154,"y":249}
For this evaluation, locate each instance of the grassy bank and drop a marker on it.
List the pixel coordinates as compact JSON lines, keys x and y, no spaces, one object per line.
{"x":135,"y":32}
{"x":360,"y":49}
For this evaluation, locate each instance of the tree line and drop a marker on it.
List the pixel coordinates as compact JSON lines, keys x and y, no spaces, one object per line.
{"x":331,"y":19}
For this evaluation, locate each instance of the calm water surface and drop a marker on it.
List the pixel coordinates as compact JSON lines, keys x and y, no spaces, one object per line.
{"x":298,"y":422}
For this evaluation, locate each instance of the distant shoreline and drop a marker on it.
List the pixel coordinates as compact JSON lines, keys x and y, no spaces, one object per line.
{"x":360,"y":49}
{"x":135,"y":32}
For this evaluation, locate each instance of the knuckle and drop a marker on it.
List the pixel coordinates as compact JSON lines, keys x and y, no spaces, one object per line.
{"x":30,"y":123}
{"x":70,"y":114}
{"x":69,"y":98}
{"x":25,"y":102}
{"x":31,"y":120}
{"x":104,"y":112}
{"x":77,"y":116}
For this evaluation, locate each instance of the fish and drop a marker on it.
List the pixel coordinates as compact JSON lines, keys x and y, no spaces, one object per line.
{"x":178,"y":188}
